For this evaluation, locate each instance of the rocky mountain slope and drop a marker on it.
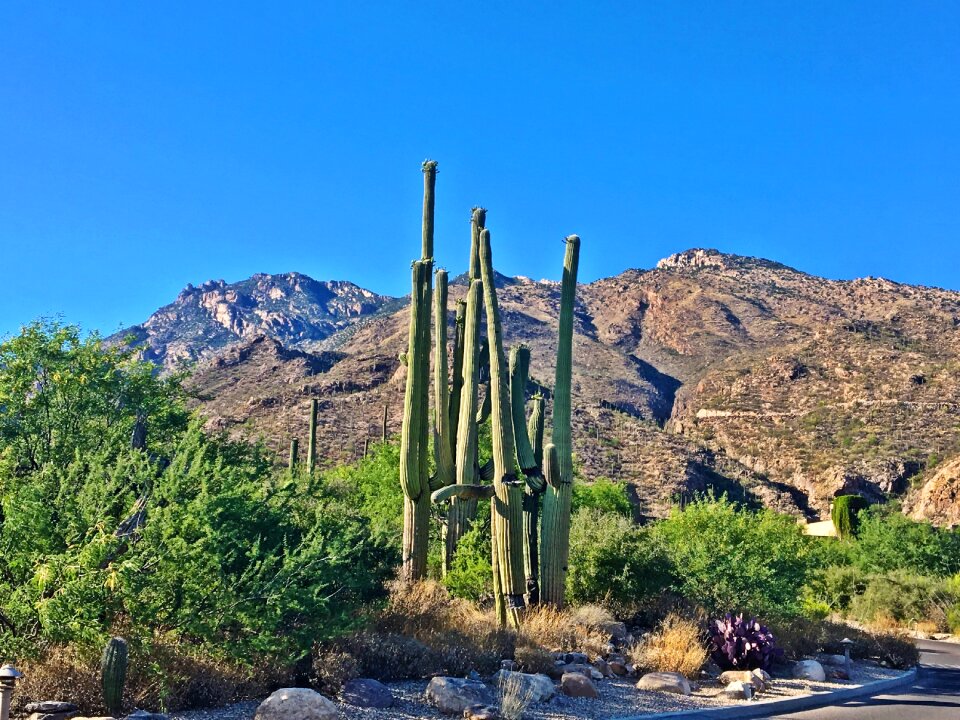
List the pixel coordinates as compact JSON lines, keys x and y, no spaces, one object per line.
{"x":295,"y":309}
{"x":708,"y":371}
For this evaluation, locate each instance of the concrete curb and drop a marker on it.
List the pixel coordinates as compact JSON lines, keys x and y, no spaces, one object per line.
{"x":794,"y":704}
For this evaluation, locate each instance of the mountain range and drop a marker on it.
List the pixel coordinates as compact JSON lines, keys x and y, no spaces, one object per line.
{"x":709,"y":372}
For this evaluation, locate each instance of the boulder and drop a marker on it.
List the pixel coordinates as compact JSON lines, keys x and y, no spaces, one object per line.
{"x":365,"y":692}
{"x":539,"y":687}
{"x":764,"y":677}
{"x":296,"y":704}
{"x":454,"y":695}
{"x":578,"y":685}
{"x":618,"y":668}
{"x":760,"y":679}
{"x":809,"y":670}
{"x":739,"y":690}
{"x":831,"y":659}
{"x":664,"y":682}
{"x":146,"y":715}
{"x":481,"y":712}
{"x":576,"y":657}
{"x":584,"y":669}
{"x":50,"y":706}
{"x":51,"y":716}
{"x":602,"y":667}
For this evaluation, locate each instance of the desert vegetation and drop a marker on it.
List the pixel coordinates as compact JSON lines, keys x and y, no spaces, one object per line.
{"x":228,"y":572}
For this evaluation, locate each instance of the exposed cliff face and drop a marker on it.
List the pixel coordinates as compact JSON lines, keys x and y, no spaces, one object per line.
{"x":294,"y":309}
{"x":710,"y":370}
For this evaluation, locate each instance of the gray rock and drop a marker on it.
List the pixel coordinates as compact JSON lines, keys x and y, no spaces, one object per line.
{"x":664,"y":682}
{"x":575,"y":684}
{"x":146,"y":715}
{"x":50,"y":706}
{"x":809,"y":670}
{"x":831,"y":659}
{"x":572,"y":658}
{"x":454,"y":695}
{"x":540,"y":688}
{"x":763,"y":676}
{"x":481,"y":712}
{"x":618,"y":668}
{"x":602,"y":667}
{"x":364,"y":692}
{"x":296,"y":704}
{"x":738,"y":690}
{"x":51,"y":716}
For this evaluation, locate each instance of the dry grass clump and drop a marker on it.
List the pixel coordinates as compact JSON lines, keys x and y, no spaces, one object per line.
{"x":678,"y":645}
{"x":561,"y":631}
{"x":515,"y":696}
{"x":532,"y":659}
{"x":162,"y":676}
{"x":420,"y":633}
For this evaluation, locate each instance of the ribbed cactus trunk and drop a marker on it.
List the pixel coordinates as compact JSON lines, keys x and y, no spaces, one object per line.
{"x":507,"y":516}
{"x":416,"y":496}
{"x":531,"y":505}
{"x":555,"y":535}
{"x":312,"y":442}
{"x":383,"y":424}
{"x":113,"y":674}
{"x":294,"y":453}
{"x":461,"y":511}
{"x":443,"y":443}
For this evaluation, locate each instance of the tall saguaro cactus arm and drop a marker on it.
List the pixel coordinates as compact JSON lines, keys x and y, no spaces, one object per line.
{"x":312,"y":442}
{"x":442,"y":447}
{"x":507,"y":520}
{"x":429,"y":202}
{"x":556,"y":503}
{"x":416,"y":503}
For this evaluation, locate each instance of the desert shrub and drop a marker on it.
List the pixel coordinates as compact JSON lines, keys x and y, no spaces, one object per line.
{"x":677,"y":645}
{"x":471,"y":575}
{"x":845,"y":514}
{"x":802,"y":637}
{"x":556,"y":630}
{"x":613,"y":561}
{"x":898,"y":598}
{"x":331,"y":668}
{"x":423,"y":631}
{"x":515,"y":696}
{"x":742,"y":644}
{"x":603,"y":495}
{"x":533,"y":659}
{"x":726,"y":557}
{"x":163,"y":675}
{"x":888,"y":540}
{"x":893,"y":650}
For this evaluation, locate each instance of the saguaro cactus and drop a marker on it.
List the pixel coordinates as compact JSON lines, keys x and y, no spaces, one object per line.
{"x":312,"y":443}
{"x":555,"y":533}
{"x":443,"y":446}
{"x":294,"y":454}
{"x":507,"y":516}
{"x":416,"y":502}
{"x":113,"y":674}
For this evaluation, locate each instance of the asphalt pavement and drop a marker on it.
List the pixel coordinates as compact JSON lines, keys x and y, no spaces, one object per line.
{"x":934,"y":696}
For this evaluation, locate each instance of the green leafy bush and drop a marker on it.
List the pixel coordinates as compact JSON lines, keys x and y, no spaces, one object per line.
{"x":471,"y":575}
{"x":888,"y":540}
{"x":614,"y":561}
{"x":602,"y":494}
{"x":726,"y":557}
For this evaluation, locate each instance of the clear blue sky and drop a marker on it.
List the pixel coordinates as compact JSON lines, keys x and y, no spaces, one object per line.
{"x":147,"y":145}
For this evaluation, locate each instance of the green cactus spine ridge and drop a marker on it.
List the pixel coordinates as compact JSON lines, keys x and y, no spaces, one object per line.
{"x":507,"y":518}
{"x":462,"y":510}
{"x":294,"y":454}
{"x":442,"y":431}
{"x":113,"y":674}
{"x":536,"y":484}
{"x":555,"y":534}
{"x":478,"y":220}
{"x":519,"y":371}
{"x":456,"y":384}
{"x":312,"y":441}
{"x":429,"y":204}
{"x":416,"y":503}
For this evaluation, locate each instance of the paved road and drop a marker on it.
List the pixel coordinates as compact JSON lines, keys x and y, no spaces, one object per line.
{"x":934,"y":696}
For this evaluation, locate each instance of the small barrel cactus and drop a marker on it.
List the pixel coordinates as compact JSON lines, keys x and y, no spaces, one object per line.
{"x":113,"y":674}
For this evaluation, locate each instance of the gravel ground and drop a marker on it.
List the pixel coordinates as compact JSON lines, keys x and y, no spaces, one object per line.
{"x":618,"y":697}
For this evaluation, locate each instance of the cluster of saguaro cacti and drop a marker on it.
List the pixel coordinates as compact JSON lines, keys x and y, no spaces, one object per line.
{"x":521,"y":470}
{"x":113,"y":674}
